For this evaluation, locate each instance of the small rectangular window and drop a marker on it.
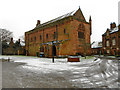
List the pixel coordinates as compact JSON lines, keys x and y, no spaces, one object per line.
{"x":108,"y":51}
{"x":113,"y":42}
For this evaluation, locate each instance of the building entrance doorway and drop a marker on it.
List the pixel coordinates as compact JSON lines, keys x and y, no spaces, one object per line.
{"x":42,"y":51}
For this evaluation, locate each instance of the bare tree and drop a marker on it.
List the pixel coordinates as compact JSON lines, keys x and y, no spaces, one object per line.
{"x":5,"y":35}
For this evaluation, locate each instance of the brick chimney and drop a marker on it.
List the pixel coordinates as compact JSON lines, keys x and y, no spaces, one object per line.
{"x":112,"y":25}
{"x":11,"y":39}
{"x":38,"y":22}
{"x":19,"y":41}
{"x":11,"y":42}
{"x":119,"y":27}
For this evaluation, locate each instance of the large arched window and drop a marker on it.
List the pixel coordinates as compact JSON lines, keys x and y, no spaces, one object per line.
{"x":81,"y":27}
{"x":80,"y":35}
{"x":81,"y":31}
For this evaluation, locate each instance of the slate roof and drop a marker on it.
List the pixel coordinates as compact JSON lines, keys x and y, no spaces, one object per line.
{"x":96,"y":45}
{"x":58,"y":18}
{"x":114,"y":30}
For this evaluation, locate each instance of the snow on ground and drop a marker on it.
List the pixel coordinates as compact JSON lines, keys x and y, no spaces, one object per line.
{"x":33,"y":72}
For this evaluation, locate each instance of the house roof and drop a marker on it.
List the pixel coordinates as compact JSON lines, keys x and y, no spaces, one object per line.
{"x":58,"y":18}
{"x":62,"y":17}
{"x":96,"y":44}
{"x":114,"y":30}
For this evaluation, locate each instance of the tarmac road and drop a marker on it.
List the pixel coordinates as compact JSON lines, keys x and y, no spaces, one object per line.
{"x":17,"y":77}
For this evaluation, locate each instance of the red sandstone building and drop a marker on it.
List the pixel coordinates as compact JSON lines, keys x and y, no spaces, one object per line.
{"x":70,"y":34}
{"x":111,"y":40}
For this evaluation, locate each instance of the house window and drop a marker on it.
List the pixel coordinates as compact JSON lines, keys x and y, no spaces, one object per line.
{"x":80,"y":35}
{"x":113,"y":42}
{"x":119,"y":41}
{"x":54,"y":35}
{"x":81,"y":27}
{"x":107,"y":34}
{"x":108,"y":51}
{"x":64,"y":31}
{"x":107,"y":43}
{"x":34,"y":38}
{"x":31,"y":40}
{"x":47,"y":36}
{"x":40,"y":37}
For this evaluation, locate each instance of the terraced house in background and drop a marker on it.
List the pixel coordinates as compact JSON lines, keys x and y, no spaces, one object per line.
{"x":70,"y":34}
{"x":111,"y":40}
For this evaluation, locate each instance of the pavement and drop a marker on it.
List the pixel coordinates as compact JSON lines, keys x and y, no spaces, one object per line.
{"x":108,"y":57}
{"x":33,"y":72}
{"x":0,"y":75}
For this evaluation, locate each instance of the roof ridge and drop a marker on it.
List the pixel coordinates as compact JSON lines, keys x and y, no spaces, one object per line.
{"x":58,"y":18}
{"x":115,"y":29}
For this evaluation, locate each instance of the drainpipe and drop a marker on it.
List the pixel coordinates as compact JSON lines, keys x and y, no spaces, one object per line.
{"x":43,"y":35}
{"x":56,"y":33}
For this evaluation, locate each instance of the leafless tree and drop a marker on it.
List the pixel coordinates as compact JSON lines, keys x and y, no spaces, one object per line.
{"x":5,"y":35}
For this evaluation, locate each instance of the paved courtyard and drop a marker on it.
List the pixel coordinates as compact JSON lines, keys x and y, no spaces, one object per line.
{"x":33,"y":72}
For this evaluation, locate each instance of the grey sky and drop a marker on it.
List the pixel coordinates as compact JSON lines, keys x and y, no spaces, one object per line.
{"x":20,"y":16}
{"x":119,"y":12}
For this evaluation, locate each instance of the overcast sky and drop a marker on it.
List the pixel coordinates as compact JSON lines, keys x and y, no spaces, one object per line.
{"x":20,"y":16}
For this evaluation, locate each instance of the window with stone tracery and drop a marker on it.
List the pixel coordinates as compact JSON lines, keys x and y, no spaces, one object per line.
{"x":80,"y":34}
{"x":81,"y":27}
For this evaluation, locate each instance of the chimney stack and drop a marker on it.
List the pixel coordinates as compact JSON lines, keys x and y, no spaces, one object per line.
{"x":112,"y":25}
{"x":119,"y":27}
{"x":19,"y":41}
{"x":11,"y":39}
{"x":11,"y":42}
{"x":90,"y":22}
{"x":38,"y":22}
